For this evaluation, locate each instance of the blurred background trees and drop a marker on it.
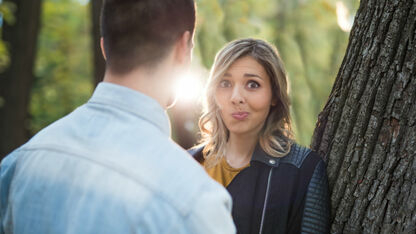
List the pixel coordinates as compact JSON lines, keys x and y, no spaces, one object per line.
{"x":311,"y":36}
{"x":19,"y":41}
{"x":50,"y":63}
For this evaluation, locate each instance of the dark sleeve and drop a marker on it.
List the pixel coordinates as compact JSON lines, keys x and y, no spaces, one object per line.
{"x":316,"y":210}
{"x":196,"y":153}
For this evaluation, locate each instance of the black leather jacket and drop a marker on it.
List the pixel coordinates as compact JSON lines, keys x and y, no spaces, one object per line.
{"x":280,"y":195}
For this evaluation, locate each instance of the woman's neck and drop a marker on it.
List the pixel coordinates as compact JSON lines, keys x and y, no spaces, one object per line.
{"x":239,"y":149}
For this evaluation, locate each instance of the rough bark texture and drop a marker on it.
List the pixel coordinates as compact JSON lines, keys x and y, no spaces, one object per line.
{"x":367,"y":130}
{"x":16,"y":80}
{"x":99,"y":63}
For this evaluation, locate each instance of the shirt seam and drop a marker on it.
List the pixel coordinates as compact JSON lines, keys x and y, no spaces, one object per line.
{"x":112,"y":168}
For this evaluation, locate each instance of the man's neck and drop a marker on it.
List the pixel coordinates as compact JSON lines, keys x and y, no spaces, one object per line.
{"x":151,"y":82}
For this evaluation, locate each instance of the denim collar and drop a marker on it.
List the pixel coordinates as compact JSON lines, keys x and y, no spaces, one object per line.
{"x":132,"y":101}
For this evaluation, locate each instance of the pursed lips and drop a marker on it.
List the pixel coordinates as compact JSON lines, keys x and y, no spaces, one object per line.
{"x":241,"y":115}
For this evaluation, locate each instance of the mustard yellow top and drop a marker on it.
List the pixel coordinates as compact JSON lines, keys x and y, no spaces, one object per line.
{"x":223,"y":173}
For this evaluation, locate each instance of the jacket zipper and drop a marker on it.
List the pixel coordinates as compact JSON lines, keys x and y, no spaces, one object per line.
{"x":265,"y":200}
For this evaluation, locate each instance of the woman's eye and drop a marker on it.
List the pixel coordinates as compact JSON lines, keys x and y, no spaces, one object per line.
{"x":253,"y":85}
{"x":224,"y":84}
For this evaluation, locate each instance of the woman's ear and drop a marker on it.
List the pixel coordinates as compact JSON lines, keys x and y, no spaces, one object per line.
{"x":274,"y":102}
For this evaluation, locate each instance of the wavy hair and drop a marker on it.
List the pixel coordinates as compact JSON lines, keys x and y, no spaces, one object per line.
{"x":276,"y":136}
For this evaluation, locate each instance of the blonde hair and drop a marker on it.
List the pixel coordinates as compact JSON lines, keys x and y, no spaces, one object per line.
{"x":275,"y":137}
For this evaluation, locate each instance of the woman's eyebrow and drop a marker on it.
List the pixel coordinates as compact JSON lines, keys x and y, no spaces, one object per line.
{"x":246,"y":75}
{"x":249,"y":75}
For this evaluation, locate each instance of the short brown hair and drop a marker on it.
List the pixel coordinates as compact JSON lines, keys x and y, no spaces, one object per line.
{"x":141,"y":32}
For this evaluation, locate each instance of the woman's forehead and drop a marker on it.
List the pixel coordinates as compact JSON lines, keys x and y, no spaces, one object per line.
{"x":246,"y":63}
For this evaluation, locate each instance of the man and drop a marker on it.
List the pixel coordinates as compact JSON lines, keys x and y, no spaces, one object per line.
{"x":110,"y":166}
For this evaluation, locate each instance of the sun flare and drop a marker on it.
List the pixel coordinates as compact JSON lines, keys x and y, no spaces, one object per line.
{"x":345,"y":21}
{"x":188,"y":88}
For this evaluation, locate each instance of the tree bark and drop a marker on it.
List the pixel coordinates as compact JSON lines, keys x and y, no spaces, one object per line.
{"x":16,"y":80}
{"x":367,"y":130}
{"x":99,"y":62}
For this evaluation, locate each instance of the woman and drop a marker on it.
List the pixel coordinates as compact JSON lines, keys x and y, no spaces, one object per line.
{"x":277,"y":186}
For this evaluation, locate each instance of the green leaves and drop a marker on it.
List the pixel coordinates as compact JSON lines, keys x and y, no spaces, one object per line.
{"x":306,"y":33}
{"x":7,"y":10}
{"x":63,"y":68}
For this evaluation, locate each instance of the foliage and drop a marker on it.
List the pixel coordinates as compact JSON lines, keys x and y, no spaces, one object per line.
{"x":63,"y":68}
{"x":305,"y":32}
{"x":7,"y":10}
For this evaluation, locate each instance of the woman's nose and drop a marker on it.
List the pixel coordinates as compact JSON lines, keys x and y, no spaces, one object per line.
{"x":237,"y":96}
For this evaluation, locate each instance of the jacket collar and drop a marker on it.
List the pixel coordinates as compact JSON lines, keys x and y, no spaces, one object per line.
{"x":259,"y":155}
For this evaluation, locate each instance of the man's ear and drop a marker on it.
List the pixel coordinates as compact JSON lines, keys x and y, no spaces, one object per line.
{"x":102,"y":48}
{"x":184,"y":47}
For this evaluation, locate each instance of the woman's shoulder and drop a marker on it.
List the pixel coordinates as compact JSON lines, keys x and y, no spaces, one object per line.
{"x":300,"y":155}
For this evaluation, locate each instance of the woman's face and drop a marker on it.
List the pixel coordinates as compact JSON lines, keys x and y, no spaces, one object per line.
{"x":244,"y":96}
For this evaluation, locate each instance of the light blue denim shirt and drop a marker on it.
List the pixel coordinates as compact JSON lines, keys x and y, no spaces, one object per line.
{"x":110,"y":167}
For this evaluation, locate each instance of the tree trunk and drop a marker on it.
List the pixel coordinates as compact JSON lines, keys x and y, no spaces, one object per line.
{"x":367,"y":130}
{"x":16,"y":80}
{"x":99,"y":63}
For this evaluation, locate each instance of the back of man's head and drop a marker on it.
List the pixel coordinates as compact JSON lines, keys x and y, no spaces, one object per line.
{"x":142,"y":32}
